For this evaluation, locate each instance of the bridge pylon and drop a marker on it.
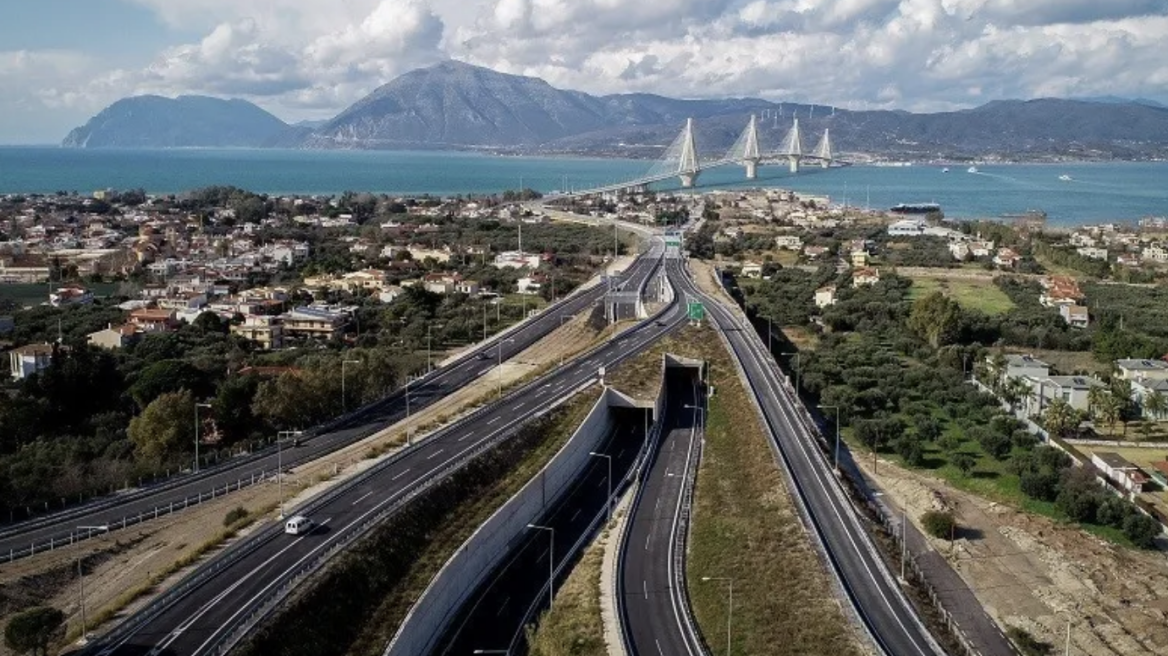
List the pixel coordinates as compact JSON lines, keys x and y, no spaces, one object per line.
{"x":823,"y":149}
{"x":751,"y":154}
{"x":687,"y":166}
{"x":792,"y":147}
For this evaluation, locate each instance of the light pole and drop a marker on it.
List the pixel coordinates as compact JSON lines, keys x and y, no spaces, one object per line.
{"x":197,"y":406}
{"x":280,"y":463}
{"x":770,"y":335}
{"x":798,"y":368}
{"x":607,"y":457}
{"x":696,"y":409}
{"x":729,"y":605}
{"x":837,"y":432}
{"x":429,"y":341}
{"x":499,"y":376}
{"x":344,"y":396}
{"x":563,"y":319}
{"x":81,"y":576}
{"x":551,"y":559}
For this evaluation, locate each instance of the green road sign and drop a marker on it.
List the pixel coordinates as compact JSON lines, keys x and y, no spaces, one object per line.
{"x":697,"y":311}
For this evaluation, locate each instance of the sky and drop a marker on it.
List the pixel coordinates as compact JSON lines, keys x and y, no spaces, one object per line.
{"x":62,"y":61}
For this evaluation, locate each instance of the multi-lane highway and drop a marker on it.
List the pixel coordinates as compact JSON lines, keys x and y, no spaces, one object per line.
{"x":652,"y":601}
{"x":213,"y":606}
{"x":496,"y":615}
{"x":876,"y":597}
{"x":118,"y":511}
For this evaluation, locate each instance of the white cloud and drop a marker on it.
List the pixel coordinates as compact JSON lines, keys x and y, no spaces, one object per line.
{"x":302,"y":58}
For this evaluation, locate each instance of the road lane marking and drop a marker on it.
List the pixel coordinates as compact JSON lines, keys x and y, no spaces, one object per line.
{"x":493,"y":421}
{"x":575,"y":515}
{"x":435,"y":454}
{"x":362,"y":498}
{"x":517,"y":407}
{"x":400,"y":475}
{"x":645,"y":587}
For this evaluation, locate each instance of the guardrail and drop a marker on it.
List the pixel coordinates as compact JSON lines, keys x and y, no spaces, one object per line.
{"x":284,"y":584}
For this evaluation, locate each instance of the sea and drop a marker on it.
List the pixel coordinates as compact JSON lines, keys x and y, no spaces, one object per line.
{"x":1095,"y":192}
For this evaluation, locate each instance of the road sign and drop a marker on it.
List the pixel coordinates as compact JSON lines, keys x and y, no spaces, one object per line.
{"x":696,"y":311}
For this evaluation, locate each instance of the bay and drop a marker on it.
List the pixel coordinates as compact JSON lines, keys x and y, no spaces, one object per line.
{"x":1096,"y":192}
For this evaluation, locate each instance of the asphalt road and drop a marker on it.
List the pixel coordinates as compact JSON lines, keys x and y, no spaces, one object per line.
{"x":211,"y":602}
{"x":876,"y":596}
{"x":652,"y":607}
{"x":120,"y":510}
{"x":495,"y":615}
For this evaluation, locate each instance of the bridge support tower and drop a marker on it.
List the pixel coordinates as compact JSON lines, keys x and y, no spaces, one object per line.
{"x":687,"y":168}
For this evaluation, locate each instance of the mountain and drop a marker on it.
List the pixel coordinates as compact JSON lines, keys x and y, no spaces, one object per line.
{"x":183,"y":122}
{"x":1118,"y":100}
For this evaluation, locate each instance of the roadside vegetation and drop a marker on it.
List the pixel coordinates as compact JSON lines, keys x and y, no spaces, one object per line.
{"x":355,"y":605}
{"x":574,"y":626}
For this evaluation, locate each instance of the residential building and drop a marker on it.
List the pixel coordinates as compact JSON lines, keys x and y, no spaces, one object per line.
{"x":369,"y":279}
{"x":865,"y":276}
{"x":1021,"y":366}
{"x":789,"y":242}
{"x":1007,"y":258}
{"x":1076,"y":316}
{"x":1141,"y":370}
{"x":267,"y":332}
{"x":814,"y":252}
{"x":960,"y":250}
{"x":114,"y":337}
{"x":530,"y":285}
{"x":1120,"y":470}
{"x":1058,"y":291}
{"x":70,"y":296}
{"x":441,"y":283}
{"x":516,"y":260}
{"x":1073,"y":390}
{"x":859,"y":258}
{"x":153,"y":320}
{"x":825,"y":297}
{"x":907,"y":228}
{"x":751,"y":270}
{"x":468,"y":287}
{"x":1142,"y":390}
{"x":1128,"y":260}
{"x":1093,"y":252}
{"x":390,"y":294}
{"x":313,"y":323}
{"x":1155,"y":253}
{"x":27,"y":360}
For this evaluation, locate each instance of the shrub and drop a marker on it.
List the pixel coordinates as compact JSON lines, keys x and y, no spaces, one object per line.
{"x":1141,"y":530}
{"x":34,"y":630}
{"x":939,"y":524}
{"x":233,"y":516}
{"x":1027,"y":644}
{"x":1042,"y":485}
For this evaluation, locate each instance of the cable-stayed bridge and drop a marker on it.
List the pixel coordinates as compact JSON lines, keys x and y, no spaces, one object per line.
{"x":681,"y":159}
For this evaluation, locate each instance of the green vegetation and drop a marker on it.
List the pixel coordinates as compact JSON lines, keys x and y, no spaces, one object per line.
{"x":574,"y":626}
{"x":236,"y":514}
{"x":939,"y":524}
{"x":357,"y":603}
{"x":33,"y":630}
{"x":1027,"y":644}
{"x":975,"y":294}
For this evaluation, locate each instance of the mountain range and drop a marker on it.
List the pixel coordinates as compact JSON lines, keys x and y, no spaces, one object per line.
{"x":453,"y":105}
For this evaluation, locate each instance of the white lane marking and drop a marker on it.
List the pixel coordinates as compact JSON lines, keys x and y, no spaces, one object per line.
{"x":575,"y":515}
{"x":494,"y":421}
{"x":399,"y":475}
{"x":502,"y":606}
{"x":485,"y":371}
{"x":645,"y":587}
{"x":659,"y":646}
{"x":362,"y":498}
{"x":435,"y":454}
{"x":517,"y":407}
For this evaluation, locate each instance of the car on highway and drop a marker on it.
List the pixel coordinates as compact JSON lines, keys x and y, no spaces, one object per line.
{"x":299,"y":525}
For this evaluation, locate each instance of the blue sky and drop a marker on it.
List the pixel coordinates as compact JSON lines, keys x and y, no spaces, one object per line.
{"x":62,"y":61}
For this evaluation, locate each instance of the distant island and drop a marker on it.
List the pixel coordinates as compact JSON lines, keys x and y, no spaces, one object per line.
{"x":457,"y":106}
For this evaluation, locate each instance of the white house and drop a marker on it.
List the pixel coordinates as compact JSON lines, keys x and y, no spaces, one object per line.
{"x":27,"y":360}
{"x":825,"y":297}
{"x":1139,"y":370}
{"x":1143,"y":389}
{"x":789,"y":242}
{"x":1093,"y":252}
{"x":907,"y":228}
{"x":1073,"y":390}
{"x":751,"y":270}
{"x":1076,"y":316}
{"x":1120,"y":470}
{"x":1019,"y":366}
{"x":865,"y":276}
{"x":1155,"y":253}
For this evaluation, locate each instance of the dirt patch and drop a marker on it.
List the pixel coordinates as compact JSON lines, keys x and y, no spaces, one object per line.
{"x":1034,"y":573}
{"x":707,"y":281}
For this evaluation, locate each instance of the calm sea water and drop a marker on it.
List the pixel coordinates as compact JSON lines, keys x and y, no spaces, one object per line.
{"x":1097,"y":192}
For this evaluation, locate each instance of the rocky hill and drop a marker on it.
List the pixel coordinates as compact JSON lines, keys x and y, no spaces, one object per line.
{"x":183,"y":122}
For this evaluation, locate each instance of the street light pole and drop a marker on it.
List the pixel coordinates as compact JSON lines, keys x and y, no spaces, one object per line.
{"x":344,"y":396}
{"x":563,"y":319}
{"x":798,"y":368}
{"x":551,"y":560}
{"x":729,"y":606}
{"x":81,"y":576}
{"x":197,"y":406}
{"x":280,"y":464}
{"x":607,"y":457}
{"x":837,"y":432}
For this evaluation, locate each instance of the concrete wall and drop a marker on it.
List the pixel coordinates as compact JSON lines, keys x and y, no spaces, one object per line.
{"x":483,"y":551}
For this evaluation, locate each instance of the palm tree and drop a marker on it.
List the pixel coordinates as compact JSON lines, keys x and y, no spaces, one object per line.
{"x":998,"y":365}
{"x":1059,"y":417}
{"x":1013,"y":391}
{"x":1155,"y":406}
{"x":1110,"y":410}
{"x":1121,"y":391}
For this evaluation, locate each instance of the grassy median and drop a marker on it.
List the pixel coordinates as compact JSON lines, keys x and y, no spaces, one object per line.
{"x":574,"y":626}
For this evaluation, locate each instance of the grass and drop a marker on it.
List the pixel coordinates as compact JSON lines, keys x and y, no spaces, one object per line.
{"x":1067,"y":362}
{"x":574,"y":627}
{"x":971,"y":293}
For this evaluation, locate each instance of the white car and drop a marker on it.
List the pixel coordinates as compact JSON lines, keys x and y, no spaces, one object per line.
{"x":299,"y":525}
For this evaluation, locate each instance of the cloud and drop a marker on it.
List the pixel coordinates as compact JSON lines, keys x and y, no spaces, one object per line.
{"x":314,"y":58}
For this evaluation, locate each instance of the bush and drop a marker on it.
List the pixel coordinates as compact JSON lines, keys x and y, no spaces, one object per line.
{"x":1041,"y":485}
{"x":1141,"y":530}
{"x":238,"y":514}
{"x":1027,"y":644}
{"x":34,"y":630}
{"x":939,"y":524}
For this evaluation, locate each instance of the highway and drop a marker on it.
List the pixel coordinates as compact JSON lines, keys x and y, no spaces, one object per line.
{"x":217,"y":603}
{"x":652,"y":601}
{"x":874,"y":593}
{"x":120,"y":510}
{"x":495,"y":615}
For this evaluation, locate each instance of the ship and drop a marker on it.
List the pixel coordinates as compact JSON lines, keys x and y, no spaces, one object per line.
{"x":1065,"y":178}
{"x":945,"y":170}
{"x":915,"y":208}
{"x":973,"y":169}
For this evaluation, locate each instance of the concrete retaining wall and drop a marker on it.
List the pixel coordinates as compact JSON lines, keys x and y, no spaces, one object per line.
{"x":483,"y":551}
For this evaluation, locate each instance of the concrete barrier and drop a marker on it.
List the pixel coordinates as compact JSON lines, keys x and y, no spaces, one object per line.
{"x":482,"y":552}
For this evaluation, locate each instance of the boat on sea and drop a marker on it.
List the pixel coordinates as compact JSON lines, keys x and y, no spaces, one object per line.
{"x":1065,"y":178}
{"x":973,"y":169}
{"x":945,"y":170}
{"x":915,"y":208}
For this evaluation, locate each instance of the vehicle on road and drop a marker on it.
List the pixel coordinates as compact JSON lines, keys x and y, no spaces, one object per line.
{"x":299,"y":525}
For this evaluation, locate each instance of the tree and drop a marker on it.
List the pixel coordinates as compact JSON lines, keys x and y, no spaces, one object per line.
{"x":1013,"y":391}
{"x":965,"y":462}
{"x":936,"y":318}
{"x":233,"y":407}
{"x":909,"y":448}
{"x":939,"y":524}
{"x":32,"y":631}
{"x":162,"y":377}
{"x":166,"y":428}
{"x":927,"y":427}
{"x":1059,"y":418}
{"x":1155,"y":406}
{"x":1141,"y":530}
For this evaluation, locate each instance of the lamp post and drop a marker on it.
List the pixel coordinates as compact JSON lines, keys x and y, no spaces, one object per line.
{"x":499,"y":376}
{"x":729,"y":605}
{"x":608,"y":504}
{"x":551,"y":559}
{"x":563,"y":319}
{"x":837,"y":432}
{"x":798,"y":368}
{"x":344,"y":396}
{"x":81,"y":576}
{"x":197,"y":406}
{"x":429,"y":341}
{"x":280,"y":463}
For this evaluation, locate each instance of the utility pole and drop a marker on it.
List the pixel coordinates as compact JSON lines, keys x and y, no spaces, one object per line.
{"x":197,"y":406}
{"x":551,"y":560}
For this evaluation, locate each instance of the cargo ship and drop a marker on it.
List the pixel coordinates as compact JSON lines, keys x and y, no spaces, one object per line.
{"x":915,"y":208}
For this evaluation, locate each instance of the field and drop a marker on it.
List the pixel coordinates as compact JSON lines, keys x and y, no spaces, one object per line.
{"x":972,"y":293}
{"x":36,"y":293}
